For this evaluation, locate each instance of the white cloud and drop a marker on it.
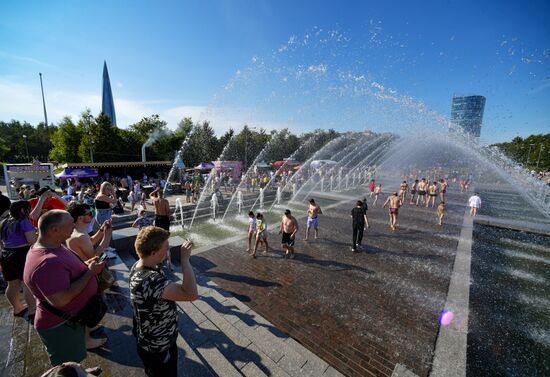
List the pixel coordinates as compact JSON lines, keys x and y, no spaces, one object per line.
{"x":24,"y":103}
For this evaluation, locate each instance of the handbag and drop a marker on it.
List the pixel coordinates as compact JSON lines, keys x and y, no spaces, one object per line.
{"x":90,"y":315}
{"x":105,"y":279}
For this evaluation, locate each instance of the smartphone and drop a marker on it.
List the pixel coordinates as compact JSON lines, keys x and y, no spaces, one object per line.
{"x":102,"y":257}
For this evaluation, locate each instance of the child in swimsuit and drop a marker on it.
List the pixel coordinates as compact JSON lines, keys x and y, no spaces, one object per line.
{"x":440,"y":213}
{"x":251,"y":228}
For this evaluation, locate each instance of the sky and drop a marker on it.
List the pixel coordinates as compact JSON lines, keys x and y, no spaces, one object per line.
{"x":348,"y":65}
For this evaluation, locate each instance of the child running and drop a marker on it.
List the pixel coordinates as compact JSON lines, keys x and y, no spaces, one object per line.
{"x":376,"y":194}
{"x":440,"y":213}
{"x":251,"y":229}
{"x":261,"y":234}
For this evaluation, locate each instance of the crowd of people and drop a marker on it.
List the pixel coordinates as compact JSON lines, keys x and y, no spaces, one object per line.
{"x":422,"y":193}
{"x":53,"y":251}
{"x":68,"y":237}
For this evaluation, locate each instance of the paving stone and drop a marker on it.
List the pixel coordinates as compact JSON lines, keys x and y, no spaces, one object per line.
{"x":266,"y":364}
{"x":252,"y":370}
{"x":217,"y":361}
{"x":262,"y":340}
{"x":192,"y":311}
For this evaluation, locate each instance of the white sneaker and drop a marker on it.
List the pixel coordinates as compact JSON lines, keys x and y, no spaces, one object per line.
{"x":110,"y":254}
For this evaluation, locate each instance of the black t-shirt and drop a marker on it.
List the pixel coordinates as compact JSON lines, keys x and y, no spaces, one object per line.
{"x":358,"y":214}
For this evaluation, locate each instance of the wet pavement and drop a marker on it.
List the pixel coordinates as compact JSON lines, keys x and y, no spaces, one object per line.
{"x":364,"y":312}
{"x":331,"y":311}
{"x":509,"y":327}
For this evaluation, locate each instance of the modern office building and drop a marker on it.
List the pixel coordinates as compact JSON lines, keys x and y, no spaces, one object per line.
{"x":107,"y":103}
{"x":467,"y":114}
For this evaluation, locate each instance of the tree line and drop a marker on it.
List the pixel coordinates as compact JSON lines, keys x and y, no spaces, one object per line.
{"x":95,"y":137}
{"x":532,"y":151}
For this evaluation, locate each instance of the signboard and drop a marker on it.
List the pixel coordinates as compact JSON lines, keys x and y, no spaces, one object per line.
{"x":17,"y":175}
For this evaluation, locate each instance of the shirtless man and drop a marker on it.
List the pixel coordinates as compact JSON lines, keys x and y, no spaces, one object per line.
{"x":313,"y":213}
{"x":288,"y":228}
{"x":422,"y":188}
{"x":432,"y":194}
{"x":162,"y":209}
{"x":414,"y":187}
{"x":87,"y":247}
{"x":403,"y":191}
{"x":442,"y":189}
{"x":395,"y":203}
{"x":162,"y":216}
{"x":376,"y":194}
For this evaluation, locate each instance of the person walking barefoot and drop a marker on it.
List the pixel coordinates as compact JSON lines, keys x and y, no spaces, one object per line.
{"x":251,"y":229}
{"x":313,"y":213}
{"x":475,"y":203}
{"x":394,"y":203}
{"x":376,"y":194}
{"x":440,"y":213}
{"x":288,"y":228}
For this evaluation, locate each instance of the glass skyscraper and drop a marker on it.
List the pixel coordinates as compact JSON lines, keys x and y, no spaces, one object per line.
{"x":467,"y":114}
{"x":107,"y":105}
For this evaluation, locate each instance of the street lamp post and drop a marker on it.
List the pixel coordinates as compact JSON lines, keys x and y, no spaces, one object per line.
{"x":26,"y":146}
{"x":89,"y":123}
{"x":540,"y":152}
{"x":528,"y":155}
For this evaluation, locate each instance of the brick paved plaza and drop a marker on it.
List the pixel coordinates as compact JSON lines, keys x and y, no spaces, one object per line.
{"x":363,"y":312}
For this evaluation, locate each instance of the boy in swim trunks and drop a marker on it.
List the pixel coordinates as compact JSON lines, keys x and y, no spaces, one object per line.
{"x":395,"y":203}
{"x":432,"y":193}
{"x":413,"y":191}
{"x":288,"y":228}
{"x":403,"y":191}
{"x":443,"y":189}
{"x":376,"y":193}
{"x":422,"y":187}
{"x":313,"y":213}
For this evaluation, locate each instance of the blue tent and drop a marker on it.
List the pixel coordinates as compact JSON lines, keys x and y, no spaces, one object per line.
{"x":77,"y":173}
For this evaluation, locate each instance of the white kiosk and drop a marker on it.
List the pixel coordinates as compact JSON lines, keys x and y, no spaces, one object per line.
{"x":27,"y":174}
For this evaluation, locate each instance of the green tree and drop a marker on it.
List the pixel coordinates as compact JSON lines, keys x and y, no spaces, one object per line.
{"x":107,"y":142}
{"x":202,"y":145}
{"x":4,"y":149}
{"x":152,"y":129}
{"x":66,"y":141}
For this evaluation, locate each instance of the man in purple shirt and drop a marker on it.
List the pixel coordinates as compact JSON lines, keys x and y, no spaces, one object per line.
{"x":55,"y":274}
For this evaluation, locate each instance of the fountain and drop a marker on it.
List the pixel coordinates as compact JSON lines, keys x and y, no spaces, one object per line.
{"x":240,"y":201}
{"x":179,"y":207}
{"x":261,"y":196}
{"x":278,"y":196}
{"x":214,"y":205}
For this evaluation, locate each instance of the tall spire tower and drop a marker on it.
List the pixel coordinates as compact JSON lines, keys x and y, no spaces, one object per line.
{"x":107,"y":104}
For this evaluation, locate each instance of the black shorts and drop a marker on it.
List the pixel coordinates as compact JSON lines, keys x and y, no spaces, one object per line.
{"x":413,"y":192}
{"x":12,"y":261}
{"x":162,"y":364}
{"x":162,"y":222}
{"x":287,"y":240}
{"x":421,"y":193}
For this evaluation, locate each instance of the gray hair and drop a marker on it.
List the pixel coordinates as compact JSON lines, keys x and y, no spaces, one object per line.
{"x":51,"y":219}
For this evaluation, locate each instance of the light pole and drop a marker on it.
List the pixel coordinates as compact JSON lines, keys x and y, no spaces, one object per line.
{"x":528,"y":154}
{"x":26,"y":146}
{"x":89,"y":124}
{"x":540,"y":152}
